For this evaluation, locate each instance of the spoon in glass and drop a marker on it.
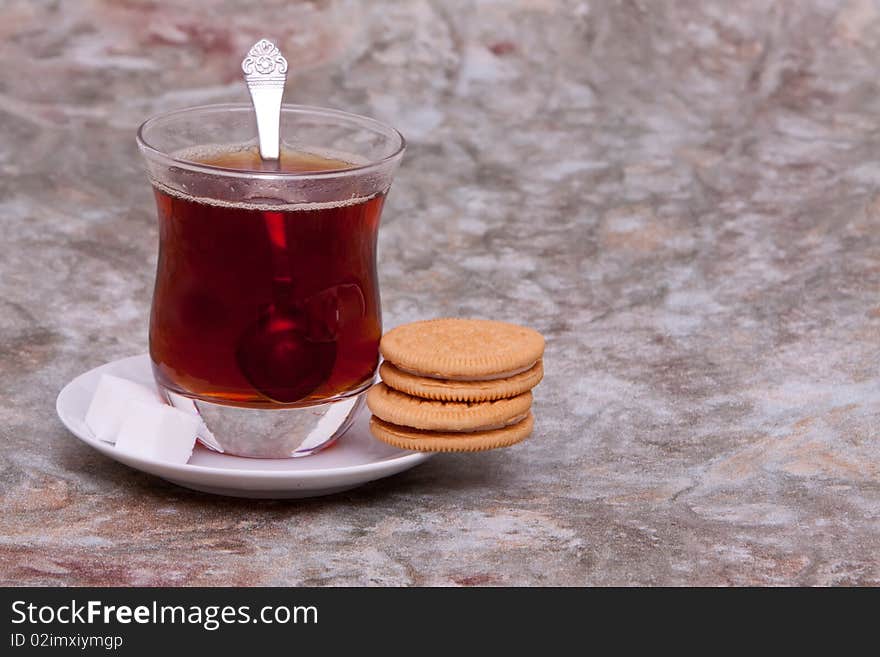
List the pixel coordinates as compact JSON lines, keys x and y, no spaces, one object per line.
{"x":265,"y":71}
{"x":276,"y":353}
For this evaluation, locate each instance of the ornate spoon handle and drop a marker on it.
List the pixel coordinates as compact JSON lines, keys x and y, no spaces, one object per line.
{"x":265,"y":71}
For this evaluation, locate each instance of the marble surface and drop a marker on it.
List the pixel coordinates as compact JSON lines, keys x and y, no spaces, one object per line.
{"x":682,"y":196}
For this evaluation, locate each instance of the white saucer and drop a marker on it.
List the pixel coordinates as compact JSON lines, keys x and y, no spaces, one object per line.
{"x":354,"y":460}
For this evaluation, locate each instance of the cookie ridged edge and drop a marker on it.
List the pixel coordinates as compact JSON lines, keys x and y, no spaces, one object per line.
{"x":437,"y":441}
{"x":461,"y":391}
{"x":429,"y":363}
{"x":405,"y":410}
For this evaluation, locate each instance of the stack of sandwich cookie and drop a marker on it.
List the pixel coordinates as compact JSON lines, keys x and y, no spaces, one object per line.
{"x":456,"y":385}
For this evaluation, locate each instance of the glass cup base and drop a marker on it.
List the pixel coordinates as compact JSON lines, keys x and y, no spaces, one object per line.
{"x":270,"y":433}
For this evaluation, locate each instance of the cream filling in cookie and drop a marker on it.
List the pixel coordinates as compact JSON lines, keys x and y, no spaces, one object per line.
{"x":493,"y":377}
{"x":492,"y":427}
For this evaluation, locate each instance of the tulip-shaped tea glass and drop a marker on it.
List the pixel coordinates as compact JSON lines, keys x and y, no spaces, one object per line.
{"x":266,"y":317}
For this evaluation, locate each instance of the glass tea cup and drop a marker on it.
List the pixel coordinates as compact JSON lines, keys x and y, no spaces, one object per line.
{"x":266,"y":317}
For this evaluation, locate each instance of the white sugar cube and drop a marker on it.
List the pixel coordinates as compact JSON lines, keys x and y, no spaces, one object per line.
{"x":107,"y":408}
{"x":158,"y":433}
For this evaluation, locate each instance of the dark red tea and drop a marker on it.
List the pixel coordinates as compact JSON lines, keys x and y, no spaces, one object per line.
{"x":259,"y":304}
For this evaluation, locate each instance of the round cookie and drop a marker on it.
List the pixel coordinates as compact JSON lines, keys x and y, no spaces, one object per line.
{"x":462,"y":348}
{"x":442,"y":441}
{"x":398,"y":408}
{"x":462,"y":391}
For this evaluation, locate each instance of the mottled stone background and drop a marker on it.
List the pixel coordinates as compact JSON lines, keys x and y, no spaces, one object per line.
{"x":681,"y":195}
